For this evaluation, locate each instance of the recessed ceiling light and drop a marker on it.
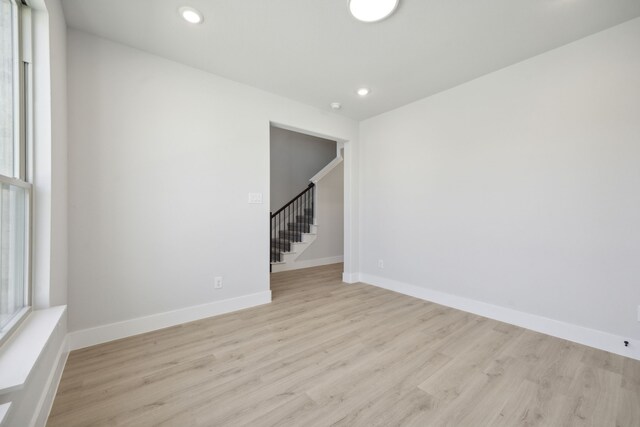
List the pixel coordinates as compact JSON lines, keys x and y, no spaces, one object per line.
{"x":363,"y":91}
{"x":336,"y":105}
{"x":372,"y":10}
{"x":190,"y":15}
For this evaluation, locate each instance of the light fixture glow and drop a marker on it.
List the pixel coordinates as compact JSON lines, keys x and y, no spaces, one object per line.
{"x":190,"y":15}
{"x":372,"y":10}
{"x":336,"y":105}
{"x":363,"y":91}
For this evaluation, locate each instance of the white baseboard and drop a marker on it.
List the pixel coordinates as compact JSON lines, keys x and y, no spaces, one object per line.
{"x":113,"y":331}
{"x":571,"y":332}
{"x":350,"y":278}
{"x":42,"y":411}
{"x":297,"y":265}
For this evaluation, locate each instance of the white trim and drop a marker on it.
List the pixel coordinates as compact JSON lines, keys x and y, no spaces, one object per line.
{"x":15,"y":182}
{"x":4,"y":409}
{"x":114,"y":331}
{"x":297,"y":265}
{"x":325,"y":170}
{"x":306,"y":132}
{"x":23,"y":350}
{"x":579,"y":334}
{"x":43,"y":409}
{"x":350,"y":278}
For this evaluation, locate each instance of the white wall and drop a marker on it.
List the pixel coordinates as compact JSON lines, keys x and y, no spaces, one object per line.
{"x":329,"y":217}
{"x":295,"y":158}
{"x":520,"y":189}
{"x":161,"y":158}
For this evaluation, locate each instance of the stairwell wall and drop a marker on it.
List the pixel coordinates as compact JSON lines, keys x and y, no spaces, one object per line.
{"x":328,"y":244}
{"x":295,"y":158}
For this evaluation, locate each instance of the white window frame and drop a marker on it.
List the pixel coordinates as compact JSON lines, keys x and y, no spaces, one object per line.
{"x":23,"y":110}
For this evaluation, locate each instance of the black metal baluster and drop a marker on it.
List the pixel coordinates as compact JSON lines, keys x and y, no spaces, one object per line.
{"x":299,"y":212}
{"x":299,"y":204}
{"x":309,"y":218}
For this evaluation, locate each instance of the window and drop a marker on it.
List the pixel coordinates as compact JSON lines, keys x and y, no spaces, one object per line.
{"x":15,"y":191}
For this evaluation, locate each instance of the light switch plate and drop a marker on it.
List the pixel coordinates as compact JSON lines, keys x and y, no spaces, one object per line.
{"x":255,"y":198}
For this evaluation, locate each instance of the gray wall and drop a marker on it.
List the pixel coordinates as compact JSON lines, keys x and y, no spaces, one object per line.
{"x":139,"y":226}
{"x":518,"y":189}
{"x":329,"y":217}
{"x":295,"y":158}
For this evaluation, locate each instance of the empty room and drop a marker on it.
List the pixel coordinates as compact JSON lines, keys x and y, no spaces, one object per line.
{"x":319,"y":213}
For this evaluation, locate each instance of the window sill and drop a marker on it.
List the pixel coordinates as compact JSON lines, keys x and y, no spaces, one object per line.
{"x":20,"y":354}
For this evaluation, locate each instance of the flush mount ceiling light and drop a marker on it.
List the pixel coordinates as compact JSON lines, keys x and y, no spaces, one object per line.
{"x":336,"y":105}
{"x":363,"y":91}
{"x":190,"y":15}
{"x":372,"y":10}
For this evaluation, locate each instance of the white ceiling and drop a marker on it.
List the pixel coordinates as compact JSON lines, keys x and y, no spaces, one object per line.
{"x":313,"y":51}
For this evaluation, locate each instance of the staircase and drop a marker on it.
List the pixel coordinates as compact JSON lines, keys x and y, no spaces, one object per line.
{"x":293,"y":228}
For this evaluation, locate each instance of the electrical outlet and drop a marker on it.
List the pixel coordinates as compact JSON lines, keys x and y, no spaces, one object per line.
{"x":217,"y":282}
{"x":380,"y":263}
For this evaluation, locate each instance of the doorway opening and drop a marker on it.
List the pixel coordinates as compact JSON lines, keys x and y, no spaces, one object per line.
{"x":307,"y":200}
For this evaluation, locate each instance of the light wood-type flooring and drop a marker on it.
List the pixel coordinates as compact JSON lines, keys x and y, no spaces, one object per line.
{"x":325,"y":353}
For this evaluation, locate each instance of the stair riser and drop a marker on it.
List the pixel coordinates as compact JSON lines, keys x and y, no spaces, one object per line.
{"x":302,"y":228}
{"x":294,"y":236}
{"x":304,"y":219}
{"x":281,"y":246}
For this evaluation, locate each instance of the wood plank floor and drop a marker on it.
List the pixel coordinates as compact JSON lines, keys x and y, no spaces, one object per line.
{"x":324,"y":353}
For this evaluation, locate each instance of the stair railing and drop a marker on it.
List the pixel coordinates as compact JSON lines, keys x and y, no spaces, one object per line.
{"x":291,"y":218}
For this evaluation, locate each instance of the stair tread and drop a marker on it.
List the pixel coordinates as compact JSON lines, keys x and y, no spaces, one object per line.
{"x":284,"y":240}
{"x":291,"y":242}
